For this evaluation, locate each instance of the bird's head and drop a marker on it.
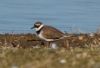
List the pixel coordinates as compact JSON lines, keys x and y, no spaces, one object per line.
{"x":38,"y":25}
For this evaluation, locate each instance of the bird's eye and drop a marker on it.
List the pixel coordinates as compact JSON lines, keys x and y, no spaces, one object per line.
{"x":36,"y":26}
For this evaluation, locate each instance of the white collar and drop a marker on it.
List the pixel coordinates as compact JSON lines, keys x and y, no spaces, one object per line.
{"x":37,"y":29}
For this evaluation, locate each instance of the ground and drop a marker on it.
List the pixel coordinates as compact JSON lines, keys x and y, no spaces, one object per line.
{"x":17,"y":51}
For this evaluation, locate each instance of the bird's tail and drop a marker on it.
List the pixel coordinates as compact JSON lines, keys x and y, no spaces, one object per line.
{"x":64,"y":37}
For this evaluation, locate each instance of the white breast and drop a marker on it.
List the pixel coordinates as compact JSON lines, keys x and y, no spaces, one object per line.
{"x":42,"y":37}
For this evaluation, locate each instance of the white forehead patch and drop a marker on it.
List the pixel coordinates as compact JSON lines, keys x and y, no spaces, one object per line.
{"x":37,"y":29}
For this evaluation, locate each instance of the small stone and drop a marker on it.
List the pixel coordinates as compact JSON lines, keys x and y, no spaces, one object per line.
{"x":62,"y":61}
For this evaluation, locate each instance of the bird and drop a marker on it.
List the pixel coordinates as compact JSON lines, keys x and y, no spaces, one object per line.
{"x":48,"y":33}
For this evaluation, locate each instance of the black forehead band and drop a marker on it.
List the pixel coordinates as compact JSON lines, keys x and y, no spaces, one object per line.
{"x":37,"y":24}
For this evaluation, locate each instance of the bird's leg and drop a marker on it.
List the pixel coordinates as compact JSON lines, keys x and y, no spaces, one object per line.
{"x":46,"y":44}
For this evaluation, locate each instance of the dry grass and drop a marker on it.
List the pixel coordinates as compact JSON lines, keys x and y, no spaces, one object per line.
{"x":49,"y":58}
{"x":16,"y":51}
{"x":30,"y":40}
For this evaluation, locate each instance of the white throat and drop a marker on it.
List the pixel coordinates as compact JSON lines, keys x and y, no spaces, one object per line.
{"x":37,"y":29}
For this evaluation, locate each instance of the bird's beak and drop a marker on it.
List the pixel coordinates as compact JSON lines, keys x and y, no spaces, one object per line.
{"x":32,"y":27}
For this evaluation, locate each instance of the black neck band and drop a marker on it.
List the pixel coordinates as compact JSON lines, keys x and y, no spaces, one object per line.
{"x":38,"y":32}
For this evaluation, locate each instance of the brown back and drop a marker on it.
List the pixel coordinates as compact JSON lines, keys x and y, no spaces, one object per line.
{"x":51,"y":32}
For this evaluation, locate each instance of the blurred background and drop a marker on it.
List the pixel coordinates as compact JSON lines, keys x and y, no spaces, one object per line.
{"x":18,"y":16}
